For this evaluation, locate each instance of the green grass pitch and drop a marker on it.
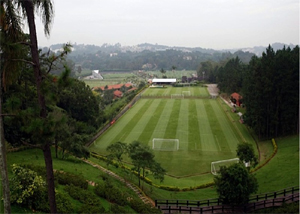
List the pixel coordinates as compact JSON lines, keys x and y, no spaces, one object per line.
{"x":205,"y":134}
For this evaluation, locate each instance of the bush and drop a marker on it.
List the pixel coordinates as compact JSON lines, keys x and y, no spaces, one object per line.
{"x":63,"y":203}
{"x":91,"y":209}
{"x":64,"y":178}
{"x":82,"y":195}
{"x":141,"y":207}
{"x":111,"y":193}
{"x":118,"y":209}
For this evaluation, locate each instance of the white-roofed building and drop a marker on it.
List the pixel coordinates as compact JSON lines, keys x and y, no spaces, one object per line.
{"x":163,"y":81}
{"x":96,"y":74}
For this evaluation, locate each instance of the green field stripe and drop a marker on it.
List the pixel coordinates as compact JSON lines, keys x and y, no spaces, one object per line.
{"x":161,"y":126}
{"x":215,"y":118}
{"x":158,"y":107}
{"x":193,"y":126}
{"x":172,"y":123}
{"x":111,"y":135}
{"x":208,"y":142}
{"x":127,"y":123}
{"x":230,"y":136}
{"x":182,"y":132}
{"x":139,"y":127}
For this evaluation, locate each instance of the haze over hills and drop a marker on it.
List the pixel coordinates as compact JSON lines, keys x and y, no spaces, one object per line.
{"x":110,"y":48}
{"x":148,"y":56}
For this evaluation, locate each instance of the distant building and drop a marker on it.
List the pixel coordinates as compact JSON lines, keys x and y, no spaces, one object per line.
{"x":117,"y":94}
{"x":236,"y":98}
{"x":163,"y":81}
{"x":116,"y":87}
{"x":96,"y":74}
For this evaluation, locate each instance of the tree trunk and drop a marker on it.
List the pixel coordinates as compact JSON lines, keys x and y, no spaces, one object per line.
{"x":3,"y":160}
{"x":29,"y":8}
{"x":50,"y":177}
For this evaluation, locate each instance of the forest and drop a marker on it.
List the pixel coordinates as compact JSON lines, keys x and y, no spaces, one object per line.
{"x":269,"y":86}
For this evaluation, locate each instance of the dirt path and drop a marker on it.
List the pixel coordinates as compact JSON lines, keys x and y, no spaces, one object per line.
{"x":138,"y":191}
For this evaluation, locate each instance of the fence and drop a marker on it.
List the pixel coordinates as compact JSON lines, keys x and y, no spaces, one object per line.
{"x":255,"y":202}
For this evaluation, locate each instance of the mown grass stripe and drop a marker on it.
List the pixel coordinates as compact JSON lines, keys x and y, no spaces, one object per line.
{"x":121,"y":125}
{"x":182,"y":132}
{"x":172,"y":124}
{"x":160,"y":128}
{"x":231,"y":138}
{"x":152,"y":123}
{"x":139,"y":127}
{"x":126,"y":129}
{"x":193,"y":126}
{"x":207,"y":138}
{"x":215,"y":126}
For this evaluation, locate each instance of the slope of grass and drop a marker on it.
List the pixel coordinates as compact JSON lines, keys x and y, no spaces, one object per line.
{"x":283,"y":170}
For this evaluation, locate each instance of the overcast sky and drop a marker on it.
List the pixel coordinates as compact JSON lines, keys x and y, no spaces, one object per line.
{"x":217,"y":24}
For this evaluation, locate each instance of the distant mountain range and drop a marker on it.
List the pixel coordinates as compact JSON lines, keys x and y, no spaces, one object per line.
{"x":111,"y":48}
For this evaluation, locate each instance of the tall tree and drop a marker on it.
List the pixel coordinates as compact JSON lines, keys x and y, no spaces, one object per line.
{"x":10,"y":34}
{"x":271,"y":93}
{"x":27,"y":8}
{"x":142,"y":159}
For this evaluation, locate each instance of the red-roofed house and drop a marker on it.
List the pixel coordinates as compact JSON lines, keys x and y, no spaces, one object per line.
{"x":236,"y":98}
{"x":117,"y":94}
{"x":116,"y":87}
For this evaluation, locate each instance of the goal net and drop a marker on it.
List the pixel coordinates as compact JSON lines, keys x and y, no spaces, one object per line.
{"x":186,"y":93}
{"x":177,"y":96}
{"x":216,"y":165}
{"x":162,"y":144}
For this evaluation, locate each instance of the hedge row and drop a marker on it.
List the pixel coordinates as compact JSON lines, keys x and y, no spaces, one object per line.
{"x":275,"y":148}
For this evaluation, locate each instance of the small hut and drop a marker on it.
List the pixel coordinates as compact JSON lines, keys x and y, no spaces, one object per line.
{"x":236,"y":98}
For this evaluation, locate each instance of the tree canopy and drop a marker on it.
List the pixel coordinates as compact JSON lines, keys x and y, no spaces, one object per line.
{"x":235,"y":184}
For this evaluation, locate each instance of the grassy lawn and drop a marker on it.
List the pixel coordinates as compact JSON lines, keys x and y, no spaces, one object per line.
{"x":169,"y":90}
{"x":283,"y":170}
{"x":109,"y":79}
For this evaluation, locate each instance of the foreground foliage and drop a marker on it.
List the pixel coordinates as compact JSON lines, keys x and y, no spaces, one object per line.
{"x":235,"y":184}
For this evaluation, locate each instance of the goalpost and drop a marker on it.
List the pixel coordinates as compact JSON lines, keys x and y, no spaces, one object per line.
{"x":162,"y":144}
{"x":186,"y":93}
{"x":215,"y":166}
{"x":177,"y":96}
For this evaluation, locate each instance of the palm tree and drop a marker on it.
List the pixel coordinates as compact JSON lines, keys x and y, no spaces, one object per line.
{"x":10,"y":32}
{"x":46,"y":8}
{"x":27,"y":8}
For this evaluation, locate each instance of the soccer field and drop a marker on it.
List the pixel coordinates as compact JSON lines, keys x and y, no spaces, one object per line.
{"x":205,"y":134}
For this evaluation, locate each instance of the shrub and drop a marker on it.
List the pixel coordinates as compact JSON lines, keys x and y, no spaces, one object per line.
{"x":63,"y":203}
{"x":118,"y":209}
{"x":91,"y":209}
{"x":26,"y":186}
{"x":111,"y":193}
{"x":64,"y":178}
{"x":141,"y":207}
{"x":82,"y":195}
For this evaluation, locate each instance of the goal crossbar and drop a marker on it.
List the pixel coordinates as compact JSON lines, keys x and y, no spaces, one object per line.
{"x":163,"y":144}
{"x":215,"y":165}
